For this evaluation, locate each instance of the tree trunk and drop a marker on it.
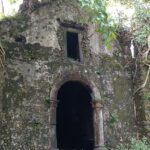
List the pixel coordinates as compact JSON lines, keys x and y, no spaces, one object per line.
{"x":2,"y":5}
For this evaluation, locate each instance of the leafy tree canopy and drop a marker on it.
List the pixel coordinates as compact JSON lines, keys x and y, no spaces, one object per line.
{"x":12,"y":1}
{"x":97,"y":13}
{"x":107,"y":23}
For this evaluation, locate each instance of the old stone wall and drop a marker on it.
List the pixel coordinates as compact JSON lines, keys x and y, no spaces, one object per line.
{"x":117,"y":87}
{"x":36,"y":60}
{"x":146,"y":101}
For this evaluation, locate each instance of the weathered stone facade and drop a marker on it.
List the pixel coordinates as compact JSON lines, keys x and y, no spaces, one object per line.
{"x":36,"y":66}
{"x":146,"y":99}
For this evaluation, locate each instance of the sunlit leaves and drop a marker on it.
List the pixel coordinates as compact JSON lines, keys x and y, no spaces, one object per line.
{"x":134,"y":144}
{"x":97,"y":14}
{"x":137,"y":22}
{"x":147,"y":96}
{"x":141,"y":22}
{"x":12,"y":1}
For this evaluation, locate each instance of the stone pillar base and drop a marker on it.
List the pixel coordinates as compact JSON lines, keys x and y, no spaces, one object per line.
{"x":99,"y":148}
{"x":54,"y":149}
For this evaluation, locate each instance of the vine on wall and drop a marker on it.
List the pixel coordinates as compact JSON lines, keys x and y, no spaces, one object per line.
{"x":2,"y":56}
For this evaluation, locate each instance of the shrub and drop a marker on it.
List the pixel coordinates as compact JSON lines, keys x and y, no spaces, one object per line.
{"x":134,"y":144}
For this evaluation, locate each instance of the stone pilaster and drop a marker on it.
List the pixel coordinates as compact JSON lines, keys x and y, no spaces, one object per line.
{"x":98,"y":125}
{"x":53,"y":138}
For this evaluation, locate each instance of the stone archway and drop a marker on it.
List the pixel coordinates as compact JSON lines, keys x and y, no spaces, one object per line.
{"x":91,"y":93}
{"x":74,"y":117}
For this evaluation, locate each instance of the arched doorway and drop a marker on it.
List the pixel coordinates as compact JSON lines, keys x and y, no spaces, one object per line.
{"x":74,"y":117}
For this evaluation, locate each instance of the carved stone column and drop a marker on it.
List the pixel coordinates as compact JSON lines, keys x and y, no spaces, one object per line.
{"x":53,"y":138}
{"x":98,"y":125}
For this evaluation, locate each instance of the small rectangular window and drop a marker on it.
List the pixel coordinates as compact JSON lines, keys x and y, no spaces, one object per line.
{"x":73,"y":46}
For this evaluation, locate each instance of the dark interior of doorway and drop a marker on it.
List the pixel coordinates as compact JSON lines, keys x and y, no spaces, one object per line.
{"x":74,"y":127}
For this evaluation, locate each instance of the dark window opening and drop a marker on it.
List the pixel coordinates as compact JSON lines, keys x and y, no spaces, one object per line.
{"x":20,"y":39}
{"x":73,"y":46}
{"x":74,"y":117}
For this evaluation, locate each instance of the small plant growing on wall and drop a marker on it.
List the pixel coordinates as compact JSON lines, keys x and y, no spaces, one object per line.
{"x":147,"y":96}
{"x":2,"y":55}
{"x":47,"y":101}
{"x":36,"y":127}
{"x":113,"y":119}
{"x":134,"y":144}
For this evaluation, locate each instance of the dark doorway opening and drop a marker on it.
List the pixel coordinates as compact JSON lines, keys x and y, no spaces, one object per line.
{"x":74,"y":118}
{"x":73,"y":46}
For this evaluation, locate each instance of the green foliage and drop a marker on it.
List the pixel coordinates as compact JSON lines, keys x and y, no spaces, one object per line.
{"x":1,"y":15}
{"x":113,"y":119}
{"x":147,"y":96}
{"x":12,"y":1}
{"x":3,"y":12}
{"x":137,"y":25}
{"x":97,"y":14}
{"x":47,"y":101}
{"x":36,"y":126}
{"x":134,"y":144}
{"x":141,"y":22}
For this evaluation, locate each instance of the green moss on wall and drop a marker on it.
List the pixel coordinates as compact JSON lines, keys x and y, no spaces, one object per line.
{"x":19,"y":23}
{"x":110,"y":62}
{"x":36,"y":127}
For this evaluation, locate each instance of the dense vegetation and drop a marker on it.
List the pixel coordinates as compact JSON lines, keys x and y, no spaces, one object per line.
{"x":134,"y":144}
{"x":107,"y":24}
